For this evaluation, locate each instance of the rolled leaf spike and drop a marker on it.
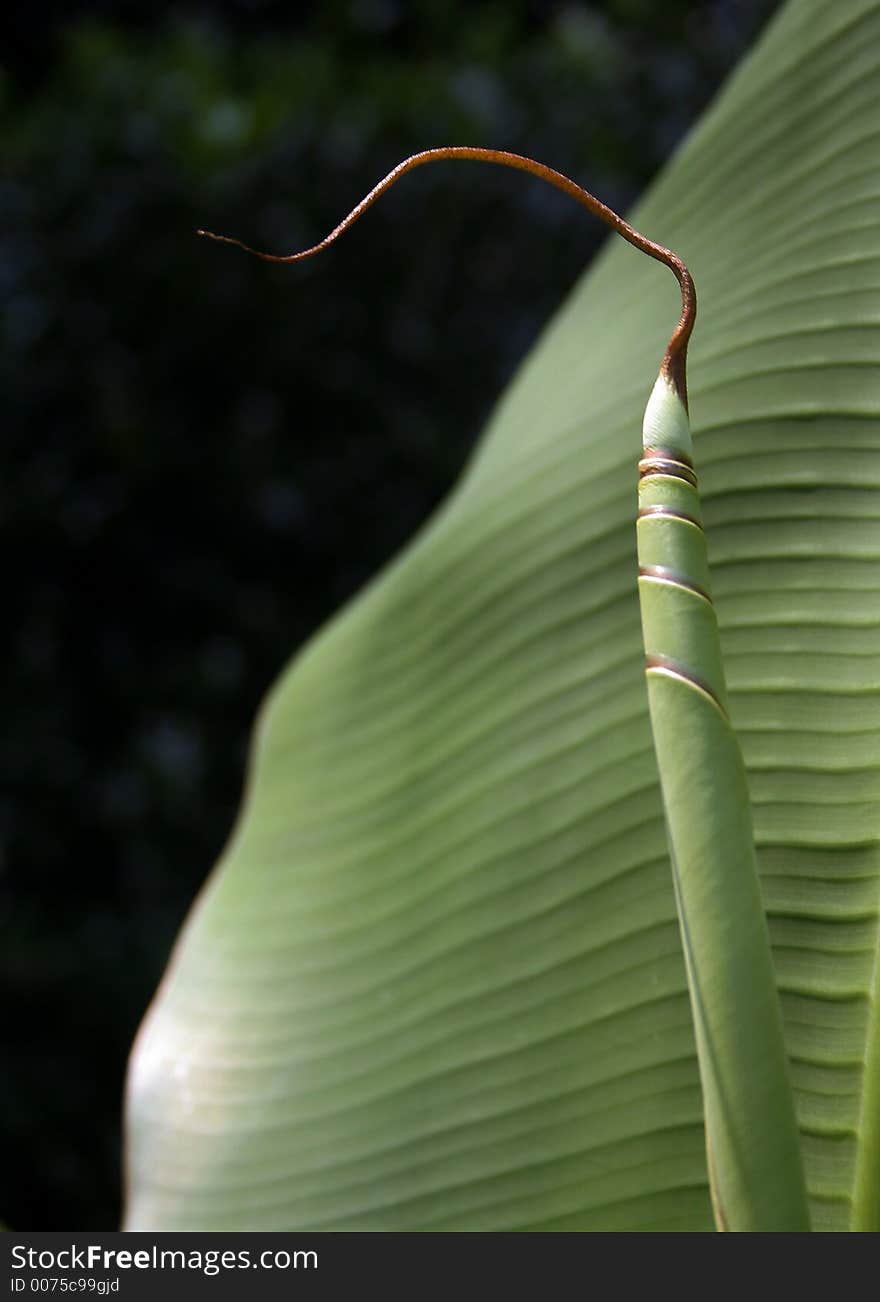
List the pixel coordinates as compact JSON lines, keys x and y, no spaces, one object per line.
{"x":755,"y":1164}
{"x":754,"y":1156}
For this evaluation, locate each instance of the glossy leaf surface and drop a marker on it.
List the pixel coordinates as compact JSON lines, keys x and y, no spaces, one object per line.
{"x":436,"y":981}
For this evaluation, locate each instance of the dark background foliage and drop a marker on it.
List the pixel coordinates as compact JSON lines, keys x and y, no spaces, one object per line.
{"x":205,"y":456}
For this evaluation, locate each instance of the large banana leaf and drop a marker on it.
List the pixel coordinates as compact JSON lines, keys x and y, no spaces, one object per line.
{"x":436,"y":981}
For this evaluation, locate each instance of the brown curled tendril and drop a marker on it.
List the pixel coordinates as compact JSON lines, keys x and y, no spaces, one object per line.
{"x":675,"y":357}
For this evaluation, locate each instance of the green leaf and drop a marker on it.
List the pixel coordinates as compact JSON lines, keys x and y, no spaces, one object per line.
{"x":436,"y":981}
{"x":752,"y":1142}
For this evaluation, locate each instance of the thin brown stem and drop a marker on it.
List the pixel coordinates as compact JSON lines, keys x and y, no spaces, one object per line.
{"x":675,"y":357}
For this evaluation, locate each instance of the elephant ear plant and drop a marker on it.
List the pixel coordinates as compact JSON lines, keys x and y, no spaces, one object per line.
{"x":443,"y":977}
